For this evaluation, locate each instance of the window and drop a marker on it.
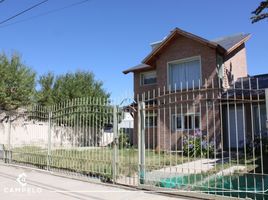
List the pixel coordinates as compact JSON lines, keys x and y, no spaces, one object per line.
{"x":191,"y":121}
{"x":220,"y":66}
{"x":183,"y":72}
{"x":108,"y":128}
{"x":177,"y":122}
{"x":186,"y":121}
{"x":150,"y":120}
{"x":148,"y":78}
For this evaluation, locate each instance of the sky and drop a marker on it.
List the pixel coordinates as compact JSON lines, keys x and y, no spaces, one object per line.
{"x":109,"y":36}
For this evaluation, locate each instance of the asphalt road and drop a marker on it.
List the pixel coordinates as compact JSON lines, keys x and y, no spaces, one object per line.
{"x":20,"y":183}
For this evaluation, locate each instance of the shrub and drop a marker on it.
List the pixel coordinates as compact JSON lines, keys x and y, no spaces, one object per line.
{"x":197,"y":145}
{"x":123,"y":140}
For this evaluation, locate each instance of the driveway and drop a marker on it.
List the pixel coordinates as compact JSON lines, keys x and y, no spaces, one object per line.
{"x":21,"y":183}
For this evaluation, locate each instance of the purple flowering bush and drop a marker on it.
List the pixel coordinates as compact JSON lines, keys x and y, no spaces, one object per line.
{"x":197,"y":145}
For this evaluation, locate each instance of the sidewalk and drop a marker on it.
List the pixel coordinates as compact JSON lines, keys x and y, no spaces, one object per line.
{"x":26,"y":184}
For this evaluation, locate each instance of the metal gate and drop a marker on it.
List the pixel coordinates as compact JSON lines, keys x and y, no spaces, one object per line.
{"x":204,"y":142}
{"x":78,"y":137}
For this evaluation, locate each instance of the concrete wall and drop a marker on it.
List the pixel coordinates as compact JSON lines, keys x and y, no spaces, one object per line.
{"x":36,"y":134}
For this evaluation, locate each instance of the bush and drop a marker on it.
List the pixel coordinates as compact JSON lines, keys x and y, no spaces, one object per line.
{"x":197,"y":145}
{"x":123,"y":140}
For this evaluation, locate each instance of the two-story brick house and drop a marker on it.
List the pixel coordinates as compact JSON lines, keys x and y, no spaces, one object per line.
{"x":183,"y":61}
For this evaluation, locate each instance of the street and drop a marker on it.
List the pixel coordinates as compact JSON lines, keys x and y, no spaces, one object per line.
{"x":21,"y":183}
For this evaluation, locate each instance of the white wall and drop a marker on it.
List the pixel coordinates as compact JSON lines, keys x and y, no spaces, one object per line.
{"x":36,"y":134}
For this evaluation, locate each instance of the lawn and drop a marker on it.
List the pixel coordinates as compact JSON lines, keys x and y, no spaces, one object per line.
{"x":98,"y":162}
{"x":94,"y":161}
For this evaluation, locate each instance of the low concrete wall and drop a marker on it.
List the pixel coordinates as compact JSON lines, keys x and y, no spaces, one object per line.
{"x":33,"y":133}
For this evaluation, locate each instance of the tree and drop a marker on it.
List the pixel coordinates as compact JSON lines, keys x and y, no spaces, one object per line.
{"x":45,"y":95}
{"x":69,"y":86}
{"x":259,"y":13}
{"x":65,"y":91}
{"x":17,"y":83}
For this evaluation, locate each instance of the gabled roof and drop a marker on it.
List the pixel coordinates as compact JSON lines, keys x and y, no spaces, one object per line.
{"x":172,"y":34}
{"x":224,"y":45}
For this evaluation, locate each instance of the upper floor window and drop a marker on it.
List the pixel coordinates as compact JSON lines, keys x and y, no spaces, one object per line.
{"x":183,"y":72}
{"x":148,"y":78}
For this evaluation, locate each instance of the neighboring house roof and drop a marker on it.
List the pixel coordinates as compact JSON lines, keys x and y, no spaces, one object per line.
{"x":252,"y":85}
{"x":224,"y":45}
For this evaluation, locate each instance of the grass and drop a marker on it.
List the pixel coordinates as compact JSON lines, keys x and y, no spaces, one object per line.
{"x":98,"y":162}
{"x":94,"y":161}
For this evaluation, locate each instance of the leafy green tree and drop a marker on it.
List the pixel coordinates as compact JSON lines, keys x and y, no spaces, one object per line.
{"x":69,"y":86}
{"x":259,"y":13}
{"x":45,"y":95}
{"x":76,"y":97}
{"x":17,"y":83}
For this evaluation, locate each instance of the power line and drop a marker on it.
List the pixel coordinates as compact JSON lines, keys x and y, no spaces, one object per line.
{"x":47,"y":13}
{"x":24,"y":11}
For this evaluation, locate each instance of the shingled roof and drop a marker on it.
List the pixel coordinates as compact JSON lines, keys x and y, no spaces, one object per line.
{"x":224,"y":44}
{"x":229,"y":42}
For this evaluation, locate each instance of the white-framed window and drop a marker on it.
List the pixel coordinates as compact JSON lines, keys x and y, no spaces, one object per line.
{"x":148,"y":78}
{"x":150,"y":120}
{"x":185,"y":72}
{"x":177,"y":122}
{"x":189,"y":121}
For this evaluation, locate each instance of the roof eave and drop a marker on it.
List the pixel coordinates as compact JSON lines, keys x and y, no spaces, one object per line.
{"x":221,"y":49}
{"x":228,"y":51}
{"x":136,"y":70}
{"x":126,"y":72}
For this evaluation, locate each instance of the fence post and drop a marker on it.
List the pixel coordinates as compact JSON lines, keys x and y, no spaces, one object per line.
{"x":8,"y":152}
{"x":49,"y":140}
{"x":115,"y":143}
{"x":141,"y":143}
{"x":266,"y":103}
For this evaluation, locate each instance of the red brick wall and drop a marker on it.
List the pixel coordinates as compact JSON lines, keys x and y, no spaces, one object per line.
{"x":182,"y":48}
{"x":163,"y":137}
